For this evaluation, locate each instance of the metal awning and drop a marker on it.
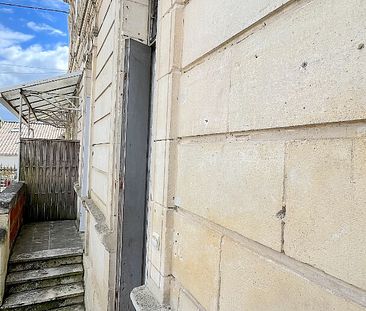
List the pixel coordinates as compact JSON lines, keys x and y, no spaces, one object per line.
{"x":50,"y":101}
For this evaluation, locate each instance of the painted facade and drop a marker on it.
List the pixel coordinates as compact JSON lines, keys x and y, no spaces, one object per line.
{"x":257,"y":168}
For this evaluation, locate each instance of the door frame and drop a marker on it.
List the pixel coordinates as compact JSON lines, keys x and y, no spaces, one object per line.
{"x":132,"y":204}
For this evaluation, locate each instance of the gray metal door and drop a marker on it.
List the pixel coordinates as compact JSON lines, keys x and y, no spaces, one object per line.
{"x":133,"y":173}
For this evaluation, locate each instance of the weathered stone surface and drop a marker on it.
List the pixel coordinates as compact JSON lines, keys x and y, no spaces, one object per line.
{"x":203,"y":99}
{"x":45,"y":271}
{"x":42,"y":241}
{"x":237,"y":184}
{"x":163,"y":7}
{"x":165,"y":107}
{"x":43,"y":274}
{"x":96,"y":266}
{"x":207,"y":24}
{"x":164,"y":170}
{"x":275,"y":76}
{"x":45,"y":255}
{"x":326,"y":199}
{"x":160,"y":242}
{"x":169,"y":42}
{"x":196,"y":255}
{"x":292,"y":79}
{"x":63,"y":280}
{"x":251,"y":282}
{"x":144,"y":300}
{"x":42,"y":264}
{"x":40,"y":296}
{"x":185,"y":303}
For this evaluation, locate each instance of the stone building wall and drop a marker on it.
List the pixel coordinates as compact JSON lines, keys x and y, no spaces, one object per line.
{"x":257,"y":172}
{"x":97,"y":33}
{"x":258,"y":180}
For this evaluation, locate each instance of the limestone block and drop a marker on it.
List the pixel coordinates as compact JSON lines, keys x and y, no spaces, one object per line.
{"x":185,"y":303}
{"x":174,"y":295}
{"x":105,"y":38}
{"x":166,"y":107}
{"x":102,"y":106}
{"x":104,"y":79}
{"x":99,"y":184}
{"x":96,"y":265}
{"x":166,"y":5}
{"x":160,"y":238}
{"x":251,"y":282}
{"x":99,"y":133}
{"x":158,"y":284}
{"x":163,"y":7}
{"x":161,"y":108}
{"x":100,"y":153}
{"x":151,"y":174}
{"x":169,"y":42}
{"x":207,"y":23}
{"x":326,"y":199}
{"x":160,"y":167}
{"x":203,"y":100}
{"x":236,"y":184}
{"x":196,"y":257}
{"x":154,"y":274}
{"x":279,"y":73}
{"x":105,"y":51}
{"x":274,"y":76}
{"x":163,"y":45}
{"x":164,"y":172}
{"x":105,"y":7}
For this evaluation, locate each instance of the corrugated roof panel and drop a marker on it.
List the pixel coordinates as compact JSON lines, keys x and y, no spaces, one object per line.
{"x":50,"y":101}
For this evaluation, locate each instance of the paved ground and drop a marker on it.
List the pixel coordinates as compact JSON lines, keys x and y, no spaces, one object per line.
{"x":47,"y":236}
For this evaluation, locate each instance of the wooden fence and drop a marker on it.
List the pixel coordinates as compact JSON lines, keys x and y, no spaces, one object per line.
{"x":8,"y":175}
{"x":50,"y":169}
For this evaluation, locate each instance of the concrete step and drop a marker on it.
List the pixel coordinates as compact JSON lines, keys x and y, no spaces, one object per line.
{"x":45,"y":298}
{"x":44,"y":263}
{"x":44,"y":283}
{"x":46,"y":254}
{"x":79,"y":307}
{"x":41,"y":278}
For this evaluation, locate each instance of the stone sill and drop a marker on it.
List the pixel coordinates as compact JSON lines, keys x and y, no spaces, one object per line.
{"x":143,"y":300}
{"x":105,"y":234}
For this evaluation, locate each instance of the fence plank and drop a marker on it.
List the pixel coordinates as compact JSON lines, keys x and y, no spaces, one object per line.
{"x":50,"y":169}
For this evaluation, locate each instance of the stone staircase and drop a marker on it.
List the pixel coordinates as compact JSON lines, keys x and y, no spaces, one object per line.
{"x":45,"y":279}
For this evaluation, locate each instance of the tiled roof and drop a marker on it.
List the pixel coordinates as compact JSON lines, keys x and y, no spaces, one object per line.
{"x":9,"y":135}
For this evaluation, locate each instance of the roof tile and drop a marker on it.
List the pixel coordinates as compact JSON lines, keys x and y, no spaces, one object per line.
{"x":9,"y":135}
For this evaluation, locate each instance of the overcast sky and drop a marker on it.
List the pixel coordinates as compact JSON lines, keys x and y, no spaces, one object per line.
{"x":33,"y":44}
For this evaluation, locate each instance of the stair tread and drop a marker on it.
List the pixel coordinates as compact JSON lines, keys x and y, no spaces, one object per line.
{"x":43,"y":295}
{"x":70,"y":308}
{"x":46,"y":254}
{"x":43,"y":274}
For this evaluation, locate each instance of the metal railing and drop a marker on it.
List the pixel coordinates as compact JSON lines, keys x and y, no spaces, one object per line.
{"x":8,"y":175}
